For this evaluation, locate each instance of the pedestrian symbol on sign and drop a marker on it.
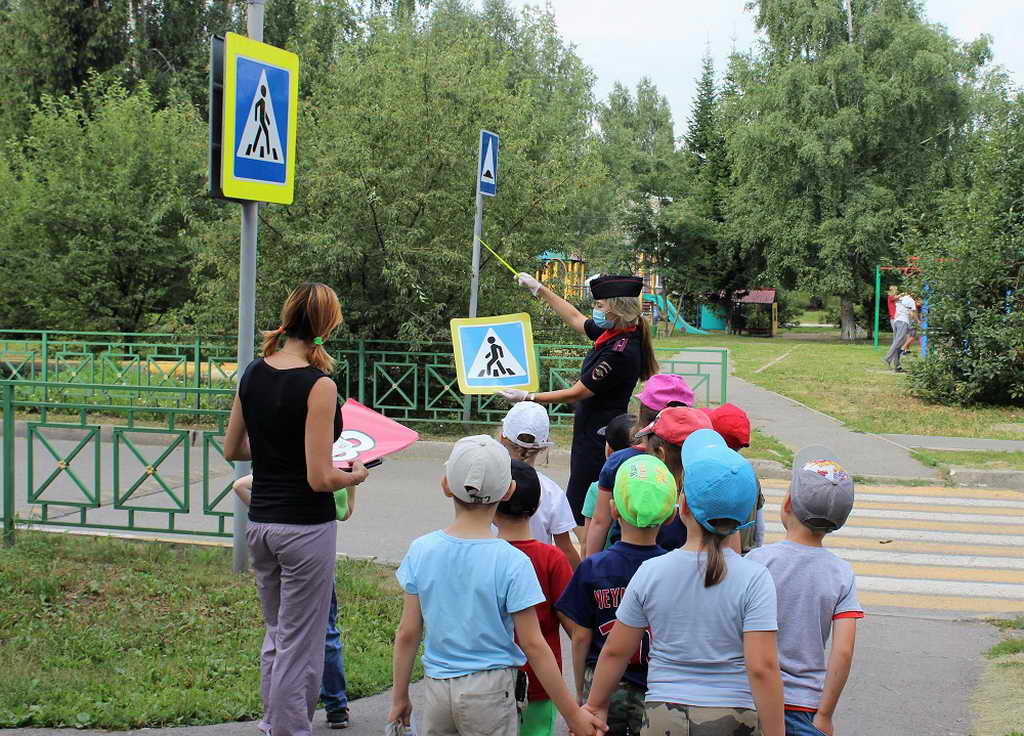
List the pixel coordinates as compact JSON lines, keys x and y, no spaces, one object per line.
{"x":260,"y":139}
{"x":495,"y":360}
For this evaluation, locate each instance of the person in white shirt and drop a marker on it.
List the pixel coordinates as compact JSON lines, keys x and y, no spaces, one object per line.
{"x":525,"y":431}
{"x":906,"y":312}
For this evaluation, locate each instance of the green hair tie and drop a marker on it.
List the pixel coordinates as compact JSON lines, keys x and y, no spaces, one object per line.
{"x":318,"y":341}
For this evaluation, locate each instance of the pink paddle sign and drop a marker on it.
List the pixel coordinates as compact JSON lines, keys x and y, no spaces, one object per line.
{"x":368,"y":435}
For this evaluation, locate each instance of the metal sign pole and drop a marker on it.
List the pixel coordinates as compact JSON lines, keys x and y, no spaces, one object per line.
{"x":246,"y":316}
{"x":474,"y":283}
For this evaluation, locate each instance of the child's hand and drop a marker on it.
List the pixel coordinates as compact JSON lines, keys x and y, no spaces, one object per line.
{"x":587,"y":722}
{"x":401,"y":710}
{"x":823,"y":724}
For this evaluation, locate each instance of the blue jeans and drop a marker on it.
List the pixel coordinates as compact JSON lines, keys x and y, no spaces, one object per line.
{"x":799,"y":723}
{"x":332,"y":687}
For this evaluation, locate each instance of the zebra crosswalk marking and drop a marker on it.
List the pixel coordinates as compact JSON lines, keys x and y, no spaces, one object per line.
{"x":933,"y":547}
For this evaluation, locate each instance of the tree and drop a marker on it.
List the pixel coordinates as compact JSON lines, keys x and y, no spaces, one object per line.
{"x":102,"y":203}
{"x":973,"y":273}
{"x":50,"y":47}
{"x":384,"y":198}
{"x":838,"y":145}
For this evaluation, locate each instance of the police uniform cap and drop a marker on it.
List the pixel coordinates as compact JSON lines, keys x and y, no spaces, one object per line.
{"x":612,"y":285}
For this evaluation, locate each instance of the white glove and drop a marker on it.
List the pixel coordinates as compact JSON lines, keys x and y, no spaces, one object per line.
{"x":513,"y":395}
{"x":528,"y":282}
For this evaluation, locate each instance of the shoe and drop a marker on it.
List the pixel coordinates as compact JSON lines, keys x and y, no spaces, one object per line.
{"x":887,"y":361}
{"x":337,"y":718}
{"x":897,"y":369}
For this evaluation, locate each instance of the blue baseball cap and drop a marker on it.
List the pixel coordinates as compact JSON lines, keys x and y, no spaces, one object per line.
{"x":718,"y":482}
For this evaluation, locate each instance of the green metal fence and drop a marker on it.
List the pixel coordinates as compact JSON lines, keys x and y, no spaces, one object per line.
{"x":411,"y":383}
{"x":126,"y":458}
{"x":125,"y":432}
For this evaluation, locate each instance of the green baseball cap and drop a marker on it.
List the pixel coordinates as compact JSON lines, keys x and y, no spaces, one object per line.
{"x":645,"y":491}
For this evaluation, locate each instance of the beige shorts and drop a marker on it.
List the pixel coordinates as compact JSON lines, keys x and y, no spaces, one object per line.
{"x":479,"y":704}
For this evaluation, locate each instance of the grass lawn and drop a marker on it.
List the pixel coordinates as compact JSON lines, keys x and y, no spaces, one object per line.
{"x":997,"y":703}
{"x":849,"y":382}
{"x":993,"y":460}
{"x":108,"y":633}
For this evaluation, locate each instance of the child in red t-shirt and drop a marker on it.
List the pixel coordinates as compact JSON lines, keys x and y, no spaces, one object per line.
{"x":553,"y":573}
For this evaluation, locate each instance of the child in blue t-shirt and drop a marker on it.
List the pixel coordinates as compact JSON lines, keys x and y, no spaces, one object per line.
{"x":470,"y":590}
{"x":709,"y":614}
{"x":644,"y":496}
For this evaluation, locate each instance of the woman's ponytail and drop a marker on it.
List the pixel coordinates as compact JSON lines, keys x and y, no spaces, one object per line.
{"x":271,"y":338}
{"x":711,"y":543}
{"x":321,"y":358}
{"x":648,"y":361}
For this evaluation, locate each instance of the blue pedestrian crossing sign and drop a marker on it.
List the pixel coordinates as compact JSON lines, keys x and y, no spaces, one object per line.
{"x":487,"y":179}
{"x":261,"y":87}
{"x":494,"y":353}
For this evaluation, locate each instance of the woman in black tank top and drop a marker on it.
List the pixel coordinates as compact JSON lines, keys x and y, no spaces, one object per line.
{"x":285,"y":418}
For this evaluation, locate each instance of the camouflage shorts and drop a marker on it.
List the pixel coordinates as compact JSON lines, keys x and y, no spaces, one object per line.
{"x":625,"y":709}
{"x":672,"y":719}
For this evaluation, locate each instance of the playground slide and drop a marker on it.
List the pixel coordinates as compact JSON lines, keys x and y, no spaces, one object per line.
{"x":674,"y":318}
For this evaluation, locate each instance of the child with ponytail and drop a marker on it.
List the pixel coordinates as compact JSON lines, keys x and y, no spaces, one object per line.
{"x":711,"y":614}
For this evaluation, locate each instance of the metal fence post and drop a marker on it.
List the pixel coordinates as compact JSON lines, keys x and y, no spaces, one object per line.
{"x":362,"y":372}
{"x":46,"y":365}
{"x":725,"y":377}
{"x":197,"y":366}
{"x":8,"y":482}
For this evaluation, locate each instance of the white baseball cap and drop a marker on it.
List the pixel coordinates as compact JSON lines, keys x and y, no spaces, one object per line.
{"x":527,"y":418}
{"x":479,"y":470}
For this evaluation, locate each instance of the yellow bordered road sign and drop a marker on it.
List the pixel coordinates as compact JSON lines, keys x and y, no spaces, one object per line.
{"x":494,"y":353}
{"x":261,"y":91}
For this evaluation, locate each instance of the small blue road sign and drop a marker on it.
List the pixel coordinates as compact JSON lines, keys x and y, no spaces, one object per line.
{"x":260,"y":116}
{"x":487,"y":182}
{"x":492,"y":353}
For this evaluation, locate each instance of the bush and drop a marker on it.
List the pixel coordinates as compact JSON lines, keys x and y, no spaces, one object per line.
{"x":973,"y":273}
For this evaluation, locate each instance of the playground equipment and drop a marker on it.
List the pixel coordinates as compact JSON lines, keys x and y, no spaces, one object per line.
{"x":672,"y":315}
{"x":760,"y":298}
{"x":911,"y":267}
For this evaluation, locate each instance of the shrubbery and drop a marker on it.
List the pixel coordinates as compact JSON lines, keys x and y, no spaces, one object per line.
{"x":974,"y":275}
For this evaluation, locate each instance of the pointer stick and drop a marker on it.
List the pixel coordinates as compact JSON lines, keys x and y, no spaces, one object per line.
{"x":500,"y":259}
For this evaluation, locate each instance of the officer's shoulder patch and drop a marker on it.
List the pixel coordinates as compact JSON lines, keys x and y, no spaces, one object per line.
{"x":601,"y":371}
{"x":621,"y":345}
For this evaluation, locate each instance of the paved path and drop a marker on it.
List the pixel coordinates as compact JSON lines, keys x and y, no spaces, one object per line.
{"x":796,"y":426}
{"x":954,"y":443}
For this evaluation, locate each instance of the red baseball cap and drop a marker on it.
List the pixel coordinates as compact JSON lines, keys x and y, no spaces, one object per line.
{"x":676,"y":423}
{"x":732,"y":423}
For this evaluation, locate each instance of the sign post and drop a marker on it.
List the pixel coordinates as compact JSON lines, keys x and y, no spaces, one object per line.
{"x":253,"y":117}
{"x":486,"y":186}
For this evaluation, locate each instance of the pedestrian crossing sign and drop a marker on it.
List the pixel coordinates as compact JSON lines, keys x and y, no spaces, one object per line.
{"x":261,"y":87}
{"x":494,"y":353}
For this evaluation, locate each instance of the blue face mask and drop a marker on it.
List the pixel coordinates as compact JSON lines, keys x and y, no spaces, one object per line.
{"x":601,"y":319}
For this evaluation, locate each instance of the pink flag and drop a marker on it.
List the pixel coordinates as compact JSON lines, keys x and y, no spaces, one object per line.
{"x":368,"y":435}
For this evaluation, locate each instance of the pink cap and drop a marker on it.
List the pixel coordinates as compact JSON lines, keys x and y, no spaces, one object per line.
{"x":663,"y":388}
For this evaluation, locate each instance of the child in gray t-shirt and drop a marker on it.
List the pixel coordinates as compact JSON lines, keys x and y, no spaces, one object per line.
{"x":817,"y":591}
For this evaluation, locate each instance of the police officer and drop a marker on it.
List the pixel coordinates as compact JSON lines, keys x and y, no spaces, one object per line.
{"x":621,"y":356}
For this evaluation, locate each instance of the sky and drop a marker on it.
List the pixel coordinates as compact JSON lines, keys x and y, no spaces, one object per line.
{"x":625,"y":40}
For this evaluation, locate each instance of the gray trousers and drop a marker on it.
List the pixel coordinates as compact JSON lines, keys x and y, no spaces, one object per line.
{"x":294,"y":567}
{"x":900,"y":330}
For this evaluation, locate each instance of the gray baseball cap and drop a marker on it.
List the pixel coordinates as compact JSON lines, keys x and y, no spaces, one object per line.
{"x":821,"y":490}
{"x":479,"y":470}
